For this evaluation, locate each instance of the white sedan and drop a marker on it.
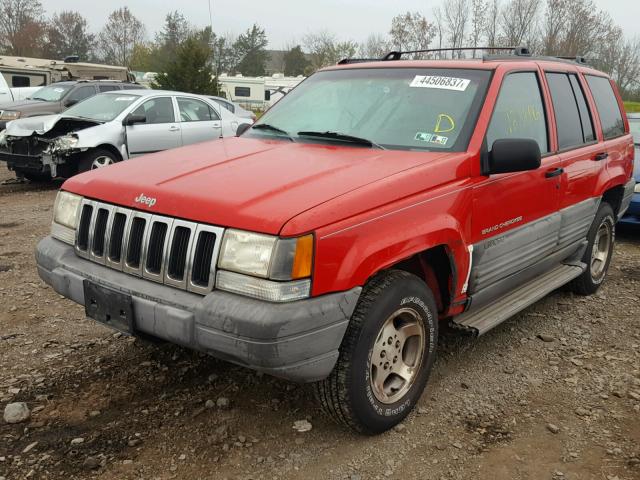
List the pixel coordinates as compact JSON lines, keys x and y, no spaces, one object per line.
{"x":111,"y":127}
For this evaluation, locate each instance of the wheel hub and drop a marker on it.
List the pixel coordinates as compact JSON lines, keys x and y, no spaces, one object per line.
{"x":397,"y":354}
{"x":600,"y":251}
{"x":101,"y":161}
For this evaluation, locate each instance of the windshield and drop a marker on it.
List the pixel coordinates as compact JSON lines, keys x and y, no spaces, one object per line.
{"x":52,"y":93}
{"x":634,"y":123}
{"x":102,"y":107}
{"x":395,"y":108}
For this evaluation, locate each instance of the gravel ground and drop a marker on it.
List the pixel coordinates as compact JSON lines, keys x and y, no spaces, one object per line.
{"x":554,"y":393}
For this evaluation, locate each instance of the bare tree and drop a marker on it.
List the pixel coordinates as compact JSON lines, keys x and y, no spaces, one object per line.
{"x":491,"y":23}
{"x":325,"y":49}
{"x":439,"y":26}
{"x":479,"y":10}
{"x":518,"y":20}
{"x":375,"y":46}
{"x":21,"y":27}
{"x":411,"y":31}
{"x":456,"y":17}
{"x":67,"y":34}
{"x":118,"y":37}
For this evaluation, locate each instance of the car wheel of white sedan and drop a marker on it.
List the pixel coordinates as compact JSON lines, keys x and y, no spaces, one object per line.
{"x":97,"y":158}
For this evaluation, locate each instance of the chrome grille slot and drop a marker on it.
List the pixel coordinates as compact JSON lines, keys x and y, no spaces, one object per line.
{"x":178,"y":254}
{"x":116,"y":237}
{"x":99,"y":232}
{"x":82,"y":240}
{"x":175,"y":252}
{"x":206,"y":245}
{"x":134,"y":245}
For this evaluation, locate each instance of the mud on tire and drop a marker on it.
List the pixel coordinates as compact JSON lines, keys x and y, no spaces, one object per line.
{"x":352,"y":394}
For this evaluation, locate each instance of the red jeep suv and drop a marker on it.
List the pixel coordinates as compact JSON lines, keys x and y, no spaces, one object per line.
{"x":374,"y":201}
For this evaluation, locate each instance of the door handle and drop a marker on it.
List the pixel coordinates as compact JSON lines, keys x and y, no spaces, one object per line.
{"x":601,"y":156}
{"x":554,"y":173}
{"x":173,"y":128}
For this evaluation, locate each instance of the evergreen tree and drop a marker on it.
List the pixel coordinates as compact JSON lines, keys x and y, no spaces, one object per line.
{"x":295,"y":62}
{"x":250,"y":47}
{"x":191,"y":69}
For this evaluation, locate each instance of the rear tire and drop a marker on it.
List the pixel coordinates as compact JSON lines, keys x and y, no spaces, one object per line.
{"x":375,"y":384}
{"x":597,"y":257}
{"x":96,"y":158}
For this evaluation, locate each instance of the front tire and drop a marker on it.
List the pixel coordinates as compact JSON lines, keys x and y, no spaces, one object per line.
{"x":96,"y":158}
{"x":597,"y":257}
{"x":386,"y":356}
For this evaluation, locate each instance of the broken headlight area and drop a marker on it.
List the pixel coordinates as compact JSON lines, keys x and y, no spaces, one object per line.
{"x":64,"y":143}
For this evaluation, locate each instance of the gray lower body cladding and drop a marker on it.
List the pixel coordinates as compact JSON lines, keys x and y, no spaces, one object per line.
{"x":297,"y":341}
{"x":503,"y":262}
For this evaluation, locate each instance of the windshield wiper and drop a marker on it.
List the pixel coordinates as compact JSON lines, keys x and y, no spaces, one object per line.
{"x":38,"y":98}
{"x":342,"y":137}
{"x":272,"y":128}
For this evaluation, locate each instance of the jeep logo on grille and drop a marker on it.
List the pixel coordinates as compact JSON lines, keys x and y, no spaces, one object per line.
{"x":148,"y":201}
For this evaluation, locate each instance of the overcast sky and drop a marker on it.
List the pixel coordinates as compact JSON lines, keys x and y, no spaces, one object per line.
{"x":287,"y":21}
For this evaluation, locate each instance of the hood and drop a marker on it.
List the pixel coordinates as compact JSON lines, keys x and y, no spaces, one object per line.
{"x":249,"y":184}
{"x":40,"y":125}
{"x":21,"y":105}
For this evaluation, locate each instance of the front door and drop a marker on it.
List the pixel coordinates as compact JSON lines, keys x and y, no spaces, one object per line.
{"x":159,"y":132}
{"x":515,"y":221}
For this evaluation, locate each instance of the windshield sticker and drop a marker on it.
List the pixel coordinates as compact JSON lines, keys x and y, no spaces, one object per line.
{"x":439,"y":139}
{"x":123,"y":99}
{"x":431,"y":138}
{"x":442,"y":83}
{"x":59,"y":90}
{"x":445,"y":124}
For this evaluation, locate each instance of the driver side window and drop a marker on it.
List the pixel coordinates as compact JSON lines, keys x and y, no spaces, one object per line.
{"x":157,"y":110}
{"x":519,"y":111}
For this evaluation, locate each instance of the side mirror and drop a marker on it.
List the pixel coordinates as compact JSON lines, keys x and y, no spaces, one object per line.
{"x":243,"y":127}
{"x":514,"y":155}
{"x":70,"y":102}
{"x":133,"y":119}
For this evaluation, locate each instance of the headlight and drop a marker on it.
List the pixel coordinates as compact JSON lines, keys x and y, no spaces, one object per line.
{"x":66,"y":214}
{"x":283,"y":265}
{"x":9,"y":115}
{"x":3,"y":138}
{"x":66,"y":142}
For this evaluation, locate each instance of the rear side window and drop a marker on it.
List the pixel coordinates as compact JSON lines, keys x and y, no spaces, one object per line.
{"x":607,"y":105}
{"x":572,"y":115}
{"x":585,"y":114}
{"x":108,"y":88}
{"x":243,"y":91}
{"x":519,"y":111}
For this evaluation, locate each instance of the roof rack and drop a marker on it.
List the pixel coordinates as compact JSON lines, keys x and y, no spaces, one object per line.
{"x":488,"y":55}
{"x":518,"y":51}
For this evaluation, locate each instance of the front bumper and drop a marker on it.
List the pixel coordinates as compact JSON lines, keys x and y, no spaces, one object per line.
{"x":31,"y":163}
{"x":298,"y":341}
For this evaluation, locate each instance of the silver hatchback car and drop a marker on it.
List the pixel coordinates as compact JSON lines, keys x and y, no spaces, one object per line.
{"x":111,"y":127}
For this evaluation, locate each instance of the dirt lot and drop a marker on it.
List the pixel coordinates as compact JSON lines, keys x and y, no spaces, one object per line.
{"x":552,"y":394}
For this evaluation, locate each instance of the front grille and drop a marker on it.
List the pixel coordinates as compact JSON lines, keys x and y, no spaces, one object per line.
{"x":163,"y":249}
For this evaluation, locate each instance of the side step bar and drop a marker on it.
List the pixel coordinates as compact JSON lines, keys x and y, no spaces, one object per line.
{"x":484,"y":319}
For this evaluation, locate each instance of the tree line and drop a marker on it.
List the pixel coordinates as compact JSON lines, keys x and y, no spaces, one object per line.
{"x":547,"y":27}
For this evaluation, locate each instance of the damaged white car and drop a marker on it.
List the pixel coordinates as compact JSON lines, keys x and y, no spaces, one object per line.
{"x":111,"y":127}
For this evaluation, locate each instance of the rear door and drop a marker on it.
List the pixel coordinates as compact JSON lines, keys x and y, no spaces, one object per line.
{"x":198,"y":120}
{"x":159,"y":132}
{"x":582,"y":156}
{"x":515,"y":220}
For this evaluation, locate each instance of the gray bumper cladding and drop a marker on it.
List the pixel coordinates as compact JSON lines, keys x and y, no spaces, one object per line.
{"x":298,"y":341}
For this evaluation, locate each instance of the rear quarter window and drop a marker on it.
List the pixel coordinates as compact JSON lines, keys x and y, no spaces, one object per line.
{"x":607,"y":106}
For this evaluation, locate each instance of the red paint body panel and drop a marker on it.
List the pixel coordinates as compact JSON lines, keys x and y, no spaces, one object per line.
{"x":368,"y":209}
